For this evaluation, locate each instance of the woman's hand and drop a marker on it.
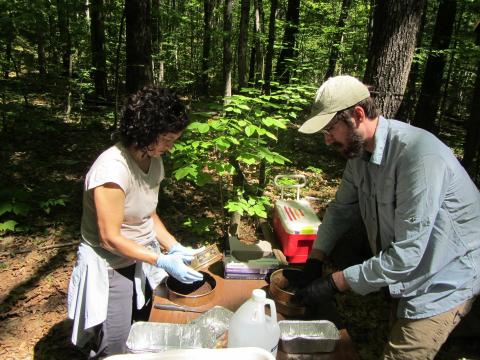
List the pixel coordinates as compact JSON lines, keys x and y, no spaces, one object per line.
{"x":187,"y":253}
{"x":174,"y":265}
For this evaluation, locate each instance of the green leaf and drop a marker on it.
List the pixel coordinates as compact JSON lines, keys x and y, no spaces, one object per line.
{"x":232,"y":206}
{"x":8,"y":225}
{"x":203,"y":178}
{"x":243,"y":107}
{"x":184,"y":171}
{"x":269,"y":121}
{"x":5,"y":207}
{"x":20,"y":208}
{"x":199,"y":127}
{"x":250,"y":130}
{"x":247,"y":159}
{"x":270,"y":135}
{"x":222,"y":142}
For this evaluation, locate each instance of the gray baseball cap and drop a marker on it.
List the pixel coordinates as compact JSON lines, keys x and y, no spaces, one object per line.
{"x":335,"y":94}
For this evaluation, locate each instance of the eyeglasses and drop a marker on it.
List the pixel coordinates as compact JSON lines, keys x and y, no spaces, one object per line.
{"x":327,"y":130}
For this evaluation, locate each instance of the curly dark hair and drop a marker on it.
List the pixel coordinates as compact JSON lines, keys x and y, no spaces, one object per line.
{"x":150,"y":112}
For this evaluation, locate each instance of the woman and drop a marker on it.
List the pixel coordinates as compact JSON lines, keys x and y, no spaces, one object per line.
{"x":121,"y":231}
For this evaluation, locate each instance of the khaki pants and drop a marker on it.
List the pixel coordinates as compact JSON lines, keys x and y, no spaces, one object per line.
{"x":422,"y":338}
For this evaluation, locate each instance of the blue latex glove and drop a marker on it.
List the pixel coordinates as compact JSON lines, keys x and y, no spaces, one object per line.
{"x":187,"y":253}
{"x":174,"y":265}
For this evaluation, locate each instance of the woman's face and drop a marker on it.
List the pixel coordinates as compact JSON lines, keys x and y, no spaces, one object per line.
{"x":163,"y":144}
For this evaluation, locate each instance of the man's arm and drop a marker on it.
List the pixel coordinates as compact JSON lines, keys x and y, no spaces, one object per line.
{"x":419,"y":195}
{"x":341,"y":213}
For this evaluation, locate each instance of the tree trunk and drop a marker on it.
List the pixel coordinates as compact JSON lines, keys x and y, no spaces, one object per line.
{"x":471,"y":157}
{"x":64,"y":31}
{"x":427,"y":106}
{"x":453,"y":62}
{"x":40,"y":25}
{"x":395,"y":25}
{"x":288,"y":43}
{"x":52,"y":49}
{"x":337,"y":39}
{"x":42,"y":62}
{"x":405,"y":112}
{"x":227,"y":48}
{"x":242,"y":44}
{"x":256,"y":58}
{"x":157,"y":41}
{"x":138,"y":49}
{"x":207,"y":43}
{"x":9,"y":37}
{"x":270,"y":50}
{"x":117,"y":65}
{"x":99,"y":62}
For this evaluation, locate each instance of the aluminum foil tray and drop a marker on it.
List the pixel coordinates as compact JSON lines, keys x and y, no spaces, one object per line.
{"x":300,"y":337}
{"x":145,"y":337}
{"x":216,"y":320}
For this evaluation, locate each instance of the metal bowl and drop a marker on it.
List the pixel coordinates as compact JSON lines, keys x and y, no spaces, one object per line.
{"x":283,"y":292}
{"x":197,"y":293}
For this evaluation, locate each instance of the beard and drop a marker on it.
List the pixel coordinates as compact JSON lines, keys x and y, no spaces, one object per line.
{"x":353,"y":147}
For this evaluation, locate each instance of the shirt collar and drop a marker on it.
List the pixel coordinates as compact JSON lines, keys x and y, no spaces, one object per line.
{"x":380,"y":141}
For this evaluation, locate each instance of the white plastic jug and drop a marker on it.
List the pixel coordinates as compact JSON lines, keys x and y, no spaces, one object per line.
{"x":249,"y":326}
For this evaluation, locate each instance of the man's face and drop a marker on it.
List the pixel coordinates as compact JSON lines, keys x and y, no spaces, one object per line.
{"x":344,"y":138}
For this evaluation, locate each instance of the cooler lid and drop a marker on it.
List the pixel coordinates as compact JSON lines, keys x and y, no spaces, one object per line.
{"x":297,"y":216}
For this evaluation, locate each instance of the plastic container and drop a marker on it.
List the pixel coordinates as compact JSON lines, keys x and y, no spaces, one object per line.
{"x":295,"y":225}
{"x":250,"y":326}
{"x":201,"y":354}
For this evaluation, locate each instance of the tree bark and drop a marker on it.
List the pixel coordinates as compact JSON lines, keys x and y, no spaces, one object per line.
{"x":99,"y":62}
{"x":139,"y":52}
{"x":256,"y":58}
{"x":472,"y":137}
{"x":9,"y":33}
{"x":242,"y":44}
{"x":337,"y":39}
{"x":395,"y":25}
{"x":270,"y":50}
{"x":288,"y":51}
{"x":40,"y":25}
{"x":405,"y":112}
{"x":207,"y":44}
{"x":117,"y":65}
{"x":227,"y":48}
{"x":427,"y":105}
{"x":64,"y":31}
{"x":157,"y":63}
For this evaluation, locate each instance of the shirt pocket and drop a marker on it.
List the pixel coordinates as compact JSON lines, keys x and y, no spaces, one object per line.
{"x":386,"y":203}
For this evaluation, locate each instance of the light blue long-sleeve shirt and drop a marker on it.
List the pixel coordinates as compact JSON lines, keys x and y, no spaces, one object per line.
{"x":428,"y":221}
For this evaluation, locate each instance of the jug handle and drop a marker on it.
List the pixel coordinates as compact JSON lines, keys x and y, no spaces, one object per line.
{"x":273,"y":309}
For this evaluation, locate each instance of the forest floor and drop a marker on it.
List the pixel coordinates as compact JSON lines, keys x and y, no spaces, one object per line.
{"x":45,"y":159}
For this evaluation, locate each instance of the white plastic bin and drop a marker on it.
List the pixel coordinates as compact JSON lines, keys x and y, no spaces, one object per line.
{"x":247,"y":353}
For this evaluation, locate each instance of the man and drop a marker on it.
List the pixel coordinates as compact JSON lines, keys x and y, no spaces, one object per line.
{"x":421,"y":212}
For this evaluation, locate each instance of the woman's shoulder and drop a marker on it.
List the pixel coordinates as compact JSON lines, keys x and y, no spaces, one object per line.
{"x":111,"y":164}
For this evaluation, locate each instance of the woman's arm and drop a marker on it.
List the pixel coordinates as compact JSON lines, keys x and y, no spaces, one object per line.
{"x":109,"y":202}
{"x":164,"y":237}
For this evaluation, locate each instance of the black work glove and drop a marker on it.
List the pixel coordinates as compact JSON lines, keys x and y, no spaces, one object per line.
{"x":318,"y":292}
{"x":311,"y":271}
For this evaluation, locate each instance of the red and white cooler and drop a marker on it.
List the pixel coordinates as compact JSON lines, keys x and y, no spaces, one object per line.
{"x":295,"y":223}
